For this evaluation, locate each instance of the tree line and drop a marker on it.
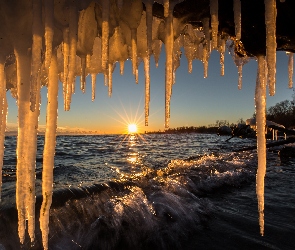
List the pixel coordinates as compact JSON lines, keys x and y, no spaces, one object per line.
{"x":282,"y":113}
{"x":210,"y":129}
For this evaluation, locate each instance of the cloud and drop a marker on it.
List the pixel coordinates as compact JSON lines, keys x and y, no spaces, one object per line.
{"x":12,"y":128}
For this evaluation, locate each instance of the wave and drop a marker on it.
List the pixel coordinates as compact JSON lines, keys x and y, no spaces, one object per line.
{"x":160,"y":208}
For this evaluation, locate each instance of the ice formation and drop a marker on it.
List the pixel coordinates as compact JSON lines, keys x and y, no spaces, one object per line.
{"x":271,"y":44}
{"x":43,"y":42}
{"x":260,"y":103}
{"x":290,"y":68}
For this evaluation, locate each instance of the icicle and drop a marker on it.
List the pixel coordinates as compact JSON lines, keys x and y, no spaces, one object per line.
{"x":106,"y":78}
{"x":3,"y":115}
{"x":260,"y":103}
{"x":206,"y":46}
{"x":88,"y":61}
{"x":206,"y":29}
{"x":190,"y":66}
{"x":271,"y":45}
{"x":240,"y":69}
{"x":93,"y":85}
{"x":110,"y":79}
{"x":205,"y":59}
{"x":23,"y":93}
{"x":105,"y":35}
{"x":26,"y":147}
{"x":214,"y":21}
{"x":36,"y":52}
{"x":122,"y":67}
{"x":149,"y":23}
{"x":156,"y":46}
{"x":49,"y":149}
{"x":73,"y":31}
{"x":178,"y":43}
{"x":30,"y":155}
{"x":49,"y":30}
{"x":290,"y":69}
{"x":237,"y":17}
{"x":169,"y":40}
{"x":146,"y":62}
{"x":67,"y":89}
{"x":134,"y":53}
{"x":222,"y":52}
{"x":83,"y":73}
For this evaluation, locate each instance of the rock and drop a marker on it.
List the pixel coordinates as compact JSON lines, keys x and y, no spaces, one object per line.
{"x":224,"y":130}
{"x":287,"y":152}
{"x":243,"y":131}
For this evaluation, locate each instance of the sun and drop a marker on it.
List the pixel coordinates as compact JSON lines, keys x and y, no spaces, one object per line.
{"x":132,"y":128}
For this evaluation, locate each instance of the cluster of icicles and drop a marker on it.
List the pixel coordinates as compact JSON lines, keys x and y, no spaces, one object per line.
{"x":47,"y":41}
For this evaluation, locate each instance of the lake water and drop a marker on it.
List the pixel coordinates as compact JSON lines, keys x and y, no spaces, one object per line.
{"x":185,"y":191}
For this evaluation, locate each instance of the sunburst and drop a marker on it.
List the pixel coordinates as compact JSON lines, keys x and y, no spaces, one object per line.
{"x":132,"y":128}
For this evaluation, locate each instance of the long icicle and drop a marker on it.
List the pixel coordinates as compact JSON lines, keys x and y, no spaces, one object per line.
{"x":134,"y":53}
{"x":23,"y":101}
{"x":83,"y":73}
{"x":290,"y":69}
{"x":67,"y":90}
{"x":146,"y":63}
{"x":206,"y":46}
{"x":73,"y":31}
{"x":26,"y":148}
{"x":271,"y":44}
{"x":49,"y":149}
{"x":3,"y":115}
{"x":30,"y":157}
{"x":169,"y":40}
{"x":260,"y":103}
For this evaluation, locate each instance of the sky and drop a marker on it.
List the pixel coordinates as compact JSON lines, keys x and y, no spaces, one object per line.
{"x":195,"y":101}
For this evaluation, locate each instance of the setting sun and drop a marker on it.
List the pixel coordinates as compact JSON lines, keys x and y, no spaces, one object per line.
{"x":132,"y":128}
